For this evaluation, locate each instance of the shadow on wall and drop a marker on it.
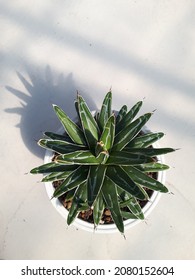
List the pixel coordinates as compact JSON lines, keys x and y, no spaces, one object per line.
{"x":42,"y":89}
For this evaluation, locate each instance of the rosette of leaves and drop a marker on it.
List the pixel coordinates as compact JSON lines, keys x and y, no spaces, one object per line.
{"x":103,"y":161}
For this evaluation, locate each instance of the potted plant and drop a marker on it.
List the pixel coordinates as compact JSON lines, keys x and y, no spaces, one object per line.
{"x":104,"y":170}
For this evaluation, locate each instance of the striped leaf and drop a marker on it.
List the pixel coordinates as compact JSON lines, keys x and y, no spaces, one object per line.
{"x":141,"y":178}
{"x":123,"y":180}
{"x":107,"y":137}
{"x":145,"y":141}
{"x":90,"y":127}
{"x":52,"y":167}
{"x":79,"y":157}
{"x":129,"y":132}
{"x":127,"y":215}
{"x":103,"y":157}
{"x":78,"y":200}
{"x":131,"y":202}
{"x":125,"y":158}
{"x":149,"y":151}
{"x":98,"y":209}
{"x":152,"y":167}
{"x":77,"y":177}
{"x":122,"y":112}
{"x":56,"y":136}
{"x":60,"y":146}
{"x":127,"y":119}
{"x":109,"y":192}
{"x":55,"y":176}
{"x":74,"y":132}
{"x":105,"y":111}
{"x":94,"y":182}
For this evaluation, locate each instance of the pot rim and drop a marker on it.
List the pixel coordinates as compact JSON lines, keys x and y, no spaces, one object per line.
{"x":108,"y":228}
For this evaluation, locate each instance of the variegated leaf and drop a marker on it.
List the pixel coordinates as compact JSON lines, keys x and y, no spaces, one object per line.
{"x":123,"y":180}
{"x":143,"y":179}
{"x":90,"y":127}
{"x":74,"y":132}
{"x":127,"y":119}
{"x":56,"y":136}
{"x":129,"y":132}
{"x":150,"y":152}
{"x":127,"y":215}
{"x":125,"y":158}
{"x":110,"y":196}
{"x":102,"y":157}
{"x":122,"y":112}
{"x":78,"y":200}
{"x":56,"y":176}
{"x":77,"y":177}
{"x":52,"y":167}
{"x":60,"y":146}
{"x":107,"y":137}
{"x":94,"y":182}
{"x":152,"y":167}
{"x":105,"y":111}
{"x":98,"y":209}
{"x":145,"y":141}
{"x":79,"y":157}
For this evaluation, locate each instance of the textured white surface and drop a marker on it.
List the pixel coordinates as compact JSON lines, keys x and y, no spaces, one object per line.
{"x":48,"y":50}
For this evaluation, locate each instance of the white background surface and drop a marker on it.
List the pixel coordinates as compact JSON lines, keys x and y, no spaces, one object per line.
{"x":50,"y":49}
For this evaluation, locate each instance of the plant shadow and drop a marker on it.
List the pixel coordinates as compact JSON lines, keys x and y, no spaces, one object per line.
{"x":41,"y":90}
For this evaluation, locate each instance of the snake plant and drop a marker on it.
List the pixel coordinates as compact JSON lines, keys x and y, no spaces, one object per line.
{"x":103,"y":161}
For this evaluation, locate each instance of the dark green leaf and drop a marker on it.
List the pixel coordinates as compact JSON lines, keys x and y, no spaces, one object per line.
{"x":74,"y":132}
{"x":60,"y":146}
{"x":94,"y":182}
{"x":152,"y":167}
{"x":129,"y":132}
{"x":122,"y":112}
{"x":81,"y":158}
{"x":123,"y":180}
{"x":90,"y":127}
{"x":127,"y":119}
{"x":107,"y":137}
{"x":149,"y":151}
{"x":125,"y":158}
{"x":98,"y":209}
{"x":143,"y":179}
{"x":110,"y":195}
{"x":105,"y":111}
{"x":52,"y":167}
{"x":55,"y":176}
{"x":72,"y":181}
{"x":79,"y":199}
{"x":145,"y":141}
{"x":56,"y":136}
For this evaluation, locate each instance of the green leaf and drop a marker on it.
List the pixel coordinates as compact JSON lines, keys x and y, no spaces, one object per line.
{"x":74,"y":132}
{"x":145,"y":141}
{"x":122,"y":112}
{"x":125,"y":158}
{"x":107,"y":137}
{"x":109,"y":192}
{"x":103,"y":157}
{"x":105,"y":111}
{"x":141,"y":178}
{"x":77,"y":177}
{"x":129,"y":132}
{"x":56,"y":136}
{"x":94,"y":182}
{"x":152,"y":167}
{"x":149,"y":151}
{"x":98,"y":209}
{"x":126,"y":120}
{"x":55,"y":176}
{"x":79,"y":157}
{"x":60,"y":146}
{"x":90,"y":127}
{"x":123,"y":180}
{"x":52,"y":167}
{"x":79,"y":199}
{"x":131,"y":202}
{"x":128,"y":215}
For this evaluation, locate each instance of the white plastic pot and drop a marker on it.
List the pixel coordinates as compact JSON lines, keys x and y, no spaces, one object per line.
{"x":108,"y":228}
